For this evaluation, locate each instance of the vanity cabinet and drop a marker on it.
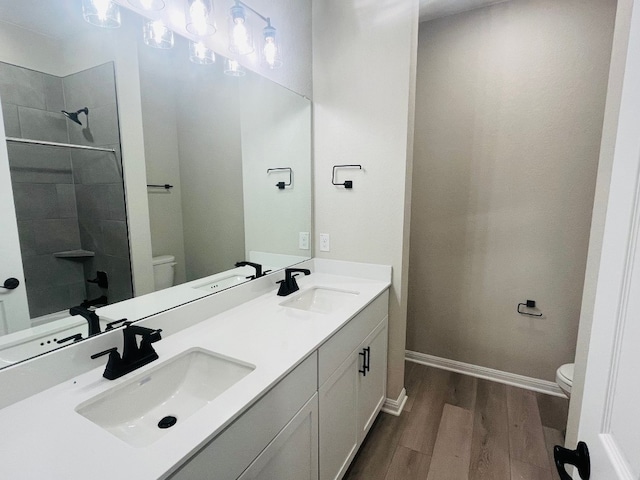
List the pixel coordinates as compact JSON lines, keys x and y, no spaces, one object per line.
{"x":311,"y":424}
{"x":243,"y":443}
{"x":293,"y":454}
{"x":352,"y":395}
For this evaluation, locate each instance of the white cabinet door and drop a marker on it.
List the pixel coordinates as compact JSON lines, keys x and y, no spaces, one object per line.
{"x":14,"y":311}
{"x":293,"y":454}
{"x":338,"y":406}
{"x":372,"y":384}
{"x":609,"y":420}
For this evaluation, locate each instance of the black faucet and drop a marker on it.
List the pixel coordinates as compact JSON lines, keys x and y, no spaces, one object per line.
{"x":257,"y":266}
{"x":133,"y":356}
{"x":289,"y":284}
{"x":90,"y":316}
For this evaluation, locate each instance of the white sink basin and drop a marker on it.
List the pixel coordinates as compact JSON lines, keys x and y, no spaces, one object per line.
{"x":176,"y":388}
{"x":222,"y":283}
{"x":320,"y":299}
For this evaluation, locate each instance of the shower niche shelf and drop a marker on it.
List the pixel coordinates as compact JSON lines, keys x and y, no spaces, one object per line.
{"x":79,"y":253}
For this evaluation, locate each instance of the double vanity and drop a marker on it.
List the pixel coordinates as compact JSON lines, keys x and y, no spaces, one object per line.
{"x":248,"y":385}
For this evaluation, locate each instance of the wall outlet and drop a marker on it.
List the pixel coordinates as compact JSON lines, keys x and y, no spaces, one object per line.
{"x":303,"y":241}
{"x":325,"y":242}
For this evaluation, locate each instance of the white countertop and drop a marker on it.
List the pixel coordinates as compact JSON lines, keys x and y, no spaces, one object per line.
{"x":44,"y":437}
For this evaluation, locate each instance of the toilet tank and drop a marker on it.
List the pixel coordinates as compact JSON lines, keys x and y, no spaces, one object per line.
{"x":163,"y":271}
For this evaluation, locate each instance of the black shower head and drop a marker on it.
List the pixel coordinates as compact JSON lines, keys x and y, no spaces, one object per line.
{"x":73,"y":116}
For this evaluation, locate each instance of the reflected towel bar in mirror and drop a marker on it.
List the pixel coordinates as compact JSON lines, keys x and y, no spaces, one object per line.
{"x":281,"y":185}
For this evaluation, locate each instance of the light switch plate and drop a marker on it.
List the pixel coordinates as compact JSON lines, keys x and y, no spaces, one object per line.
{"x":303,"y":241}
{"x":325,"y":242}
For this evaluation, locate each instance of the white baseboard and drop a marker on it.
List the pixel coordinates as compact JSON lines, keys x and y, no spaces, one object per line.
{"x":395,"y":407}
{"x":528,"y":383}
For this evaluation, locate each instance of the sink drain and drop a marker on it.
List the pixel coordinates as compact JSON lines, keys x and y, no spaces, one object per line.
{"x":167,"y":422}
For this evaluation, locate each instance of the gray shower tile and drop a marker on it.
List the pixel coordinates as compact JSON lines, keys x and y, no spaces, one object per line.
{"x":21,"y":86}
{"x":115,"y":238}
{"x":119,"y":273}
{"x":11,"y":122}
{"x":92,"y":202}
{"x":35,"y":201}
{"x":47,"y":299}
{"x":90,"y":88}
{"x":66,"y":201}
{"x":38,"y":164}
{"x":90,"y":167}
{"x":77,"y":293}
{"x":53,"y":93}
{"x":59,"y":235}
{"x":27,"y":236}
{"x":48,"y":271}
{"x":117,"y":210}
{"x":41,"y":125}
{"x":99,"y":130}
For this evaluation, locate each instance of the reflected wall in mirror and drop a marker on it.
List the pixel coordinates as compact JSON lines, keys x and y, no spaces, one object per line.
{"x":156,"y":118}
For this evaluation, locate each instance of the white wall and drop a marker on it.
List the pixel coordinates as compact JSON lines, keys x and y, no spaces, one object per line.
{"x":210,"y":154}
{"x":510,"y":104}
{"x":362,"y":57}
{"x":276,"y":132}
{"x":160,"y":126}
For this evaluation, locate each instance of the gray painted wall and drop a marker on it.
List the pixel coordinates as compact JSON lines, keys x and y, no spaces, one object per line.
{"x":510,"y":102}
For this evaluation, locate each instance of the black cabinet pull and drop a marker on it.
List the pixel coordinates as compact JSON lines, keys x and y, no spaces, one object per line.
{"x":363,"y":354}
{"x":579,"y":458}
{"x":366,"y":359}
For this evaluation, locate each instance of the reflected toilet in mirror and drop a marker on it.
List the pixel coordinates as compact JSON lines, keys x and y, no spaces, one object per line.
{"x":163,"y":271}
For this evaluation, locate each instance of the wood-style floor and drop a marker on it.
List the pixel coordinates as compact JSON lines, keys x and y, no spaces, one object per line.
{"x":457,"y":427}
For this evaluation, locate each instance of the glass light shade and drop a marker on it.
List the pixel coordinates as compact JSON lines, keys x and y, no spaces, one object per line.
{"x":199,"y":14}
{"x":102,"y":13}
{"x":240,"y":34}
{"x":271,"y":50}
{"x":233,"y":68}
{"x":149,"y":5}
{"x":199,"y":53}
{"x":157,"y":34}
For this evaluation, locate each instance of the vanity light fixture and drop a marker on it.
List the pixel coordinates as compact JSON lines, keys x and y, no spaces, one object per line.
{"x":199,"y":14}
{"x":102,"y":13}
{"x":157,"y":34}
{"x":271,"y":49}
{"x":240,"y":34}
{"x":148,"y":5}
{"x":199,"y":53}
{"x":241,"y":40}
{"x":233,"y":68}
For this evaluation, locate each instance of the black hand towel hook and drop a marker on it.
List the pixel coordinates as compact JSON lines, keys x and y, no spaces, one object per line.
{"x":281,"y":185}
{"x":347,"y":183}
{"x":528,"y":304}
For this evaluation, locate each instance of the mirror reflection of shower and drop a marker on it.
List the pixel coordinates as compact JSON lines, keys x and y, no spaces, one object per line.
{"x":73,"y":116}
{"x":68,"y":191}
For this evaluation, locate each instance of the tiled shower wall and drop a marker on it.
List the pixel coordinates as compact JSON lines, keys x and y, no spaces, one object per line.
{"x":66,"y":199}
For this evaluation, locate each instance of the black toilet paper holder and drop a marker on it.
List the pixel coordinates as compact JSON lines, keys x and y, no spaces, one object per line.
{"x":528,"y":304}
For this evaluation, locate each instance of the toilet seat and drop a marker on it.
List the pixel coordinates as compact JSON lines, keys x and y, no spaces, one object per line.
{"x":564,"y":378}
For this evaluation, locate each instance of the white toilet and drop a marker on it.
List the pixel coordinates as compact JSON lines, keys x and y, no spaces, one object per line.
{"x":163,"y":271}
{"x":564,"y":378}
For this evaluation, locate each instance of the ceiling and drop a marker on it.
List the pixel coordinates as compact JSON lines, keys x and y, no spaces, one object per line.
{"x":430,"y":9}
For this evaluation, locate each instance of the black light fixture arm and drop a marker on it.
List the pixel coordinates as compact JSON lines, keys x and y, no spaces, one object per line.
{"x":267,"y":20}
